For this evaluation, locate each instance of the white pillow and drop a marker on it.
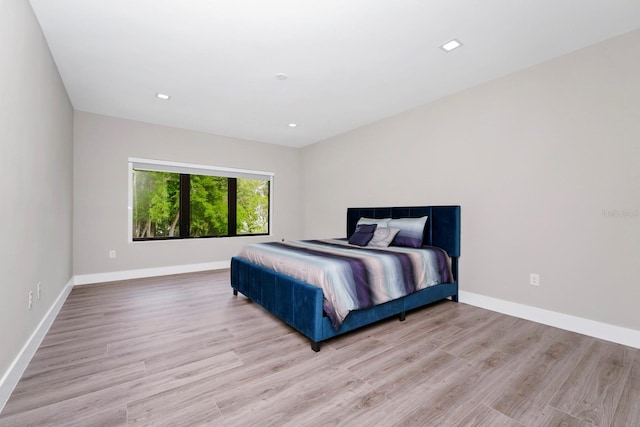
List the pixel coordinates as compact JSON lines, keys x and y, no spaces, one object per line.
{"x":411,"y":231}
{"x":381,"y":222}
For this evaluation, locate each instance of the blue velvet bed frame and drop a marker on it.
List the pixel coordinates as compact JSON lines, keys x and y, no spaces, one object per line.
{"x":299,"y":304}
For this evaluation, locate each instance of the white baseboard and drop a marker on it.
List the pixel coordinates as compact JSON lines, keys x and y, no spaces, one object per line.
{"x":11,"y":377}
{"x":86,"y":279}
{"x":605,"y":331}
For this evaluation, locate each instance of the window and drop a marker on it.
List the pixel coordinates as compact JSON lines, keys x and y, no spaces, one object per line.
{"x":170,"y":200}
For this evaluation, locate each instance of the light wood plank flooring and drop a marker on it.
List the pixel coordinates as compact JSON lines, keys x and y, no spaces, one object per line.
{"x":182,"y":350}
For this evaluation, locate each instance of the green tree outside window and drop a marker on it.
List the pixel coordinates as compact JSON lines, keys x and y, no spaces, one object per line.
{"x":158,"y":214}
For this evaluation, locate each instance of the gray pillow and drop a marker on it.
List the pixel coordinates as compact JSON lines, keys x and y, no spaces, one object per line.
{"x":383,"y":237}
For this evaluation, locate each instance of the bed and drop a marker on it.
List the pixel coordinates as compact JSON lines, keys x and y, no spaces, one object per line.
{"x":303,"y":306}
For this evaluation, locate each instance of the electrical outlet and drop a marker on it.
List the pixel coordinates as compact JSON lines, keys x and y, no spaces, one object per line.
{"x":534,"y":279}
{"x":30,"y":299}
{"x":112,"y":253}
{"x":38,"y":290}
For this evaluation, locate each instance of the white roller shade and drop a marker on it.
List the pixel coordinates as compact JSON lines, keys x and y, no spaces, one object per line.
{"x":194,"y":169}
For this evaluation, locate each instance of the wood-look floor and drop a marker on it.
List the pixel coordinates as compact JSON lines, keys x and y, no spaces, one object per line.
{"x":182,"y":351}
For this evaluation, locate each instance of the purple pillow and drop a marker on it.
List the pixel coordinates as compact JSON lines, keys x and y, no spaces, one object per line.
{"x":362,"y":235}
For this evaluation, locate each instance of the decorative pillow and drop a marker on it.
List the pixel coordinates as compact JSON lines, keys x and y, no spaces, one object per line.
{"x":382,"y":237}
{"x":362,"y":235}
{"x":411,"y":231}
{"x":380,"y":222}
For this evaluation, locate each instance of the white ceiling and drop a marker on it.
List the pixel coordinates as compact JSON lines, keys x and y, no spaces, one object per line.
{"x":349,"y":62}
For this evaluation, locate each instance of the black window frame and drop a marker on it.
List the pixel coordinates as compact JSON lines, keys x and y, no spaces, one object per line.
{"x":185,"y":208}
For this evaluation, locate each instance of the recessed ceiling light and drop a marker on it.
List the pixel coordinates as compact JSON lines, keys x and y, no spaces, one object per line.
{"x":450,"y":45}
{"x":292,"y":125}
{"x":281,"y":76}
{"x":162,"y":96}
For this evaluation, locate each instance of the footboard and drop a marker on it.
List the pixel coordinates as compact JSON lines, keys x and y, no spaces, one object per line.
{"x":295,"y":302}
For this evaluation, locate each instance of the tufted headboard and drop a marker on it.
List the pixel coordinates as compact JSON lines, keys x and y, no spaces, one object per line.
{"x":442,"y":228}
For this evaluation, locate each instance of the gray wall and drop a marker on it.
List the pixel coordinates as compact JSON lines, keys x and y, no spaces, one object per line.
{"x":541,"y":161}
{"x":102,"y":146}
{"x":36,"y":121}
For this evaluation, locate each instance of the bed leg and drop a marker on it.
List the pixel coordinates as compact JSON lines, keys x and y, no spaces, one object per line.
{"x":403,"y":316}
{"x":315,"y":346}
{"x":235,"y":292}
{"x":454,"y":298}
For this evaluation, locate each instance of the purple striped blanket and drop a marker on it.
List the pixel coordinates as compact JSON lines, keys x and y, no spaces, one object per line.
{"x":353,"y":277}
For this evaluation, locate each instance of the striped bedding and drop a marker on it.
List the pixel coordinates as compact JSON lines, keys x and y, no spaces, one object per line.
{"x":353,"y":277}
